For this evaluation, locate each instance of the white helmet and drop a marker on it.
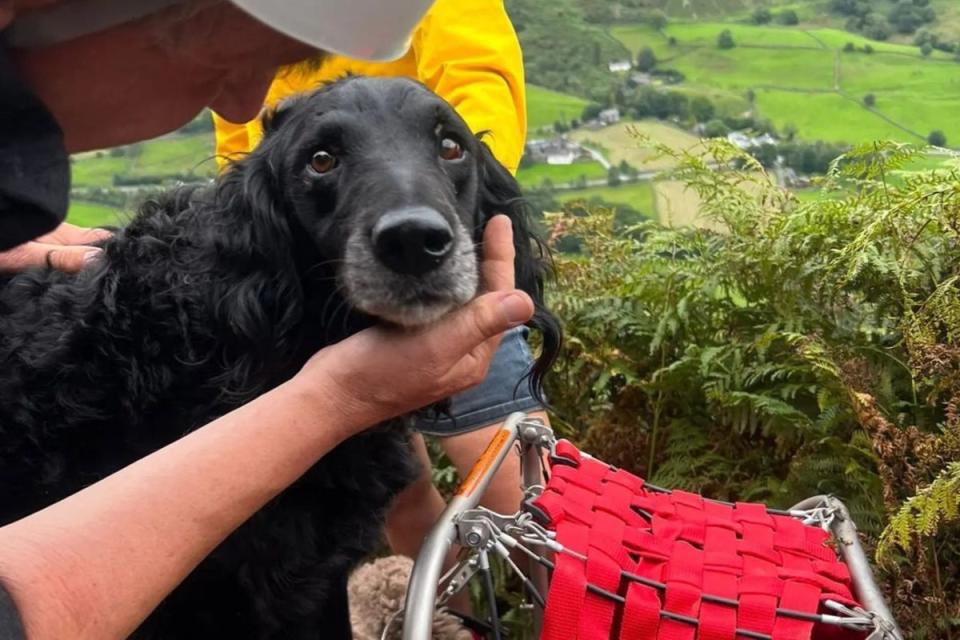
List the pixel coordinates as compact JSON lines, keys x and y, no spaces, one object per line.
{"x":367,"y":29}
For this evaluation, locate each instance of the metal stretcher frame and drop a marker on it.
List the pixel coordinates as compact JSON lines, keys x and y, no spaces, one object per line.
{"x":475,"y":528}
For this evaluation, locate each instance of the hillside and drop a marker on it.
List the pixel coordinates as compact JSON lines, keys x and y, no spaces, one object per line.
{"x":804,"y":77}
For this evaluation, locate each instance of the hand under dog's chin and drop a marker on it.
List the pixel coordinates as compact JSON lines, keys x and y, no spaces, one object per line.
{"x":416,"y":313}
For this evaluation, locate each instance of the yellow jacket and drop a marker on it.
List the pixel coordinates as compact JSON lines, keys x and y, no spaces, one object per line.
{"x":464,"y":50}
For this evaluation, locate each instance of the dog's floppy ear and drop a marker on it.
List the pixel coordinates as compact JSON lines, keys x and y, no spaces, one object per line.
{"x":274,"y":117}
{"x":255,"y":284}
{"x":500,"y":193}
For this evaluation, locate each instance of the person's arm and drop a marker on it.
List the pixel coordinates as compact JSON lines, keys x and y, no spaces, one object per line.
{"x":468,"y":53}
{"x":95,"y":564}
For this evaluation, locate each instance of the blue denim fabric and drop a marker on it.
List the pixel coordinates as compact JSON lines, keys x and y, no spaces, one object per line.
{"x":503,"y":391}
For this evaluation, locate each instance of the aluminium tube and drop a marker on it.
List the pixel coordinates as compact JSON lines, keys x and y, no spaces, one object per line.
{"x":422,"y":590}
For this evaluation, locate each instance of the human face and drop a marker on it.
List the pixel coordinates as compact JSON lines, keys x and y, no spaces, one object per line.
{"x":145,"y":78}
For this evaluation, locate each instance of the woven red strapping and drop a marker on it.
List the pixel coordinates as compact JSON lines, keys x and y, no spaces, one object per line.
{"x":754,"y":562}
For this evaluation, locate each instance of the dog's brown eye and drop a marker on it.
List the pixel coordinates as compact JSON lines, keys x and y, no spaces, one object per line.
{"x":450,"y":149}
{"x":322,"y":162}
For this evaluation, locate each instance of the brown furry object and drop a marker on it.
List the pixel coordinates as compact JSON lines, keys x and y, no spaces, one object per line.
{"x":377,"y":591}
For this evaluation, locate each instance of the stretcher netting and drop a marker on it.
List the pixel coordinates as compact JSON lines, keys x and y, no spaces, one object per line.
{"x":650,"y":564}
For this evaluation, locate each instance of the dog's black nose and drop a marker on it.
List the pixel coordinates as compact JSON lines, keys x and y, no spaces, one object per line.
{"x":413,"y":240}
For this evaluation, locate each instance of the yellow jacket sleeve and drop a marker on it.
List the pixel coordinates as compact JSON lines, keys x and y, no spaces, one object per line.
{"x":468,"y":53}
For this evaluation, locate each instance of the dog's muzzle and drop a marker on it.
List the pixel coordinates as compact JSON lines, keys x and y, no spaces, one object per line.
{"x":412,"y":240}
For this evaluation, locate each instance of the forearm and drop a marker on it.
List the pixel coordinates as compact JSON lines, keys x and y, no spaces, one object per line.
{"x":95,"y":564}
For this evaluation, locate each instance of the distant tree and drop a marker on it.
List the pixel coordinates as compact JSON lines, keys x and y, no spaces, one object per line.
{"x":875,"y":27}
{"x":870,"y":100}
{"x":646,"y":59}
{"x":560,"y":127}
{"x":906,"y":16}
{"x":789,"y":131}
{"x":867,"y":49}
{"x":751,"y":96}
{"x":725,"y":40}
{"x":766,"y":154}
{"x":849,"y":47}
{"x":937,"y":138}
{"x":702,"y":109}
{"x":926,"y":50}
{"x":761,"y":15}
{"x":716,"y":129}
{"x":788,"y":17}
{"x":613,"y":177}
{"x":591,"y":111}
{"x":657,"y":19}
{"x":672,"y":41}
{"x":574,"y":124}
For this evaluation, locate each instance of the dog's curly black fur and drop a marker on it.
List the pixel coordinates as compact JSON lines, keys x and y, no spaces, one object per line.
{"x":207,"y":299}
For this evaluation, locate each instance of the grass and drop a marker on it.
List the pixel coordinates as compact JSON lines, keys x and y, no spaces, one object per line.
{"x":534,"y":175}
{"x":639,"y":195}
{"x":177,"y":154}
{"x":97,"y":169}
{"x":93,"y":214}
{"x":621,"y":145}
{"x":544,"y":107}
{"x":826,"y":116}
{"x":705,"y":34}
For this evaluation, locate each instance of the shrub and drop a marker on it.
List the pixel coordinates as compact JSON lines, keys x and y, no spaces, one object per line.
{"x":937,"y":138}
{"x":870,"y":100}
{"x":702,"y":109}
{"x":716,"y":129}
{"x":788,"y":17}
{"x":783,"y":350}
{"x":849,"y":47}
{"x":761,"y":15}
{"x":725,"y":40}
{"x":646,"y":60}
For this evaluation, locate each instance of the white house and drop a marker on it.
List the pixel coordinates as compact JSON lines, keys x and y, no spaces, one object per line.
{"x":619,"y":66}
{"x":609,"y":116}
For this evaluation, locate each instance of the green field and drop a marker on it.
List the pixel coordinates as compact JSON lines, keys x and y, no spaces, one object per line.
{"x":639,"y":195}
{"x":97,"y":169}
{"x":619,"y":142}
{"x":167,"y":156}
{"x":534,"y":175}
{"x":92,"y":214}
{"x":177,"y":154}
{"x":544,"y":107}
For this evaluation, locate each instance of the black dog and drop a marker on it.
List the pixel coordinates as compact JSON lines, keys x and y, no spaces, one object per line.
{"x":365,"y":202}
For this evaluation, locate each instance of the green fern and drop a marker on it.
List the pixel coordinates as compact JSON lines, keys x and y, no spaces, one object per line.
{"x":922,"y":515}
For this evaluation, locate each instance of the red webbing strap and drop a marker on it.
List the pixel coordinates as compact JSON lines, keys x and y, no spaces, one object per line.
{"x":797,"y":596}
{"x":641,"y":613}
{"x":684,"y":581}
{"x":721,"y":568}
{"x":568,"y":587}
{"x":759,"y":586}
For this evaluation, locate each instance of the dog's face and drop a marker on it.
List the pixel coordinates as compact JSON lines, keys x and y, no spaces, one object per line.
{"x":383,"y":176}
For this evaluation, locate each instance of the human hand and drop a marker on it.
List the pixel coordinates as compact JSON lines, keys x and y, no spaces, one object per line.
{"x":67,"y":248}
{"x":384,"y":372}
